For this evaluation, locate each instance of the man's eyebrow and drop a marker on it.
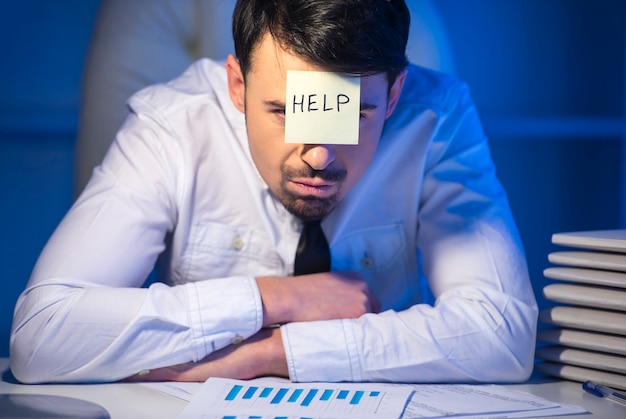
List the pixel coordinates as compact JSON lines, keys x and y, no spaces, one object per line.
{"x":274,"y":103}
{"x":368,"y":106}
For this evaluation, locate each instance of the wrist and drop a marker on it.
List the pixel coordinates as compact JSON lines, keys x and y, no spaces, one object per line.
{"x":275,"y":300}
{"x":274,"y":354}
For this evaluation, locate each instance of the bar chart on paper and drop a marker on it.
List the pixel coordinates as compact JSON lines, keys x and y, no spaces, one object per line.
{"x":234,"y":399}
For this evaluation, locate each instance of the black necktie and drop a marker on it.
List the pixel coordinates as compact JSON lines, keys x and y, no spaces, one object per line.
{"x":312,"y":254}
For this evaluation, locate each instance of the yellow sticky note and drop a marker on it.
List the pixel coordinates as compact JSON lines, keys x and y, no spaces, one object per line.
{"x":322,"y":108}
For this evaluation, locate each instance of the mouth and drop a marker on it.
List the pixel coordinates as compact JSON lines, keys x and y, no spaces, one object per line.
{"x":313,"y":187}
{"x":309,"y":194}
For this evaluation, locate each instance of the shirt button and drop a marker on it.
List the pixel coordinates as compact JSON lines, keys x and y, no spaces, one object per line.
{"x":237,"y":243}
{"x":236,"y":340}
{"x":367,"y":262}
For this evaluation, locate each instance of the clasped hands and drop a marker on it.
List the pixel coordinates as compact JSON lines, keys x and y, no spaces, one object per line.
{"x":321,"y":296}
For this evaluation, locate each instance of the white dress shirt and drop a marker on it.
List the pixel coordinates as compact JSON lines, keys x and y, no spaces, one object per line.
{"x":179,"y":185}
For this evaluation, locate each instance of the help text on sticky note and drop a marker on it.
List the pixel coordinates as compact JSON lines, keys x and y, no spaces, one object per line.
{"x":322,"y":108}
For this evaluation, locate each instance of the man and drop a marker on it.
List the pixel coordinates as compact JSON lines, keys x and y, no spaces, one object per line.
{"x":202,"y":177}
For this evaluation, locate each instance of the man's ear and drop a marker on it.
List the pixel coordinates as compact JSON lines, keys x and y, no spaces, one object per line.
{"x":236,"y":83}
{"x":394,"y":92}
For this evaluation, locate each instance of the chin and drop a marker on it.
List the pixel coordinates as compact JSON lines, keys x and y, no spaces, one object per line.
{"x":309,"y":209}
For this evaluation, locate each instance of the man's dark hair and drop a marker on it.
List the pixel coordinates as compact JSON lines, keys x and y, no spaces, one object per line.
{"x":360,"y":37}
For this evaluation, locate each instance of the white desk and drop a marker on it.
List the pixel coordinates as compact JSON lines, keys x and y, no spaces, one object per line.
{"x":132,"y":401}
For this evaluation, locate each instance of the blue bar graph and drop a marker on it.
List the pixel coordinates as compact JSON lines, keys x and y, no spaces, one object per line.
{"x":299,"y":400}
{"x":295,"y":395}
{"x":309,"y":397}
{"x":326,"y":394}
{"x":232,"y":394}
{"x":356,"y":398}
{"x":343,"y":394}
{"x":279,"y":396}
{"x":250,"y":392}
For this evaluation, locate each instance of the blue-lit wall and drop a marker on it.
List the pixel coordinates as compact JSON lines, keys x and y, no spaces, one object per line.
{"x":43,"y":45}
{"x":547,"y":77}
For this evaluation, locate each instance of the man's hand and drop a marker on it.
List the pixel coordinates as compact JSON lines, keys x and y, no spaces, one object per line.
{"x":261,"y":354}
{"x":323,"y":296}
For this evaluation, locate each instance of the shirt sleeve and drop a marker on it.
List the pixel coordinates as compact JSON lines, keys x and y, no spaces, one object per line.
{"x":84,"y":316}
{"x":482,"y":325}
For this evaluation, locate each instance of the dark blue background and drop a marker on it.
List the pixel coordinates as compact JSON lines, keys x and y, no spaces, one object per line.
{"x":547,"y":77}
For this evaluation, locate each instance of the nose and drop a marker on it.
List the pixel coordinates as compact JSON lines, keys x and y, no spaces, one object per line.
{"x":318,"y":156}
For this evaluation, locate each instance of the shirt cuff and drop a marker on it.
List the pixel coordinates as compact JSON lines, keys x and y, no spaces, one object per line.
{"x":222,"y":312}
{"x":322,"y":351}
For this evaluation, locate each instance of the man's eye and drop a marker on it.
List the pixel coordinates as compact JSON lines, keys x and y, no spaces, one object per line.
{"x":279,"y":112}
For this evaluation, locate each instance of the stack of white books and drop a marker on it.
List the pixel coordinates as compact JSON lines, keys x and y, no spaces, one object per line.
{"x":585,"y":333}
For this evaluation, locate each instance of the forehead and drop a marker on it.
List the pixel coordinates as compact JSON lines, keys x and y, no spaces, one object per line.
{"x":269,"y":64}
{"x":270,"y":61}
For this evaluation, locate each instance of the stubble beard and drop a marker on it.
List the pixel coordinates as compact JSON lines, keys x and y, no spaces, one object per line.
{"x":307,"y":207}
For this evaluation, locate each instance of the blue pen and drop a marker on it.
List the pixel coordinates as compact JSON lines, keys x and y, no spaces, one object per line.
{"x":604,"y":392}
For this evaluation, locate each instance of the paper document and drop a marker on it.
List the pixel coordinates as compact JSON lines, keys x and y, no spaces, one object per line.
{"x":181,"y":390}
{"x":479,"y":401}
{"x":475,"y":401}
{"x":230,"y":399}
